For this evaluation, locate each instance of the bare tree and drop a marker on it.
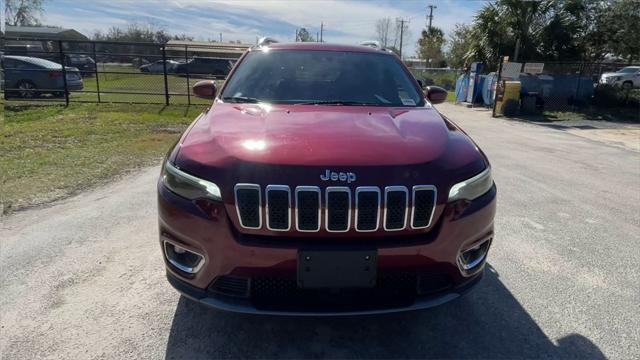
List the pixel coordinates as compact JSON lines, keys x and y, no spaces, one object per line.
{"x":23,"y":12}
{"x":384,"y":31}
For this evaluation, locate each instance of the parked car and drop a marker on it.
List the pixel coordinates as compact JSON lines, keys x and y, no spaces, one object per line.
{"x":30,"y":77}
{"x":156,"y":67}
{"x":322,"y":181}
{"x":206,"y":66}
{"x":627,"y":77}
{"x":84,"y":63}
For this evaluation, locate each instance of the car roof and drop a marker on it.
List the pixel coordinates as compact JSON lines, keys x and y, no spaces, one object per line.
{"x":326,"y":47}
{"x":631,"y":67}
{"x":36,"y":61}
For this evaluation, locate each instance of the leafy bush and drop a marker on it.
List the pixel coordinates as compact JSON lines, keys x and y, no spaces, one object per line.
{"x":614,"y":96}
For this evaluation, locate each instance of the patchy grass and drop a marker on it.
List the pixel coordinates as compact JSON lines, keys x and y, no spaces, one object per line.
{"x":141,"y":87}
{"x":451,"y":96}
{"x":50,"y":152}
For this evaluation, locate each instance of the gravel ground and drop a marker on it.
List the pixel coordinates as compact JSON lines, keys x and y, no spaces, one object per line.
{"x":84,"y":279}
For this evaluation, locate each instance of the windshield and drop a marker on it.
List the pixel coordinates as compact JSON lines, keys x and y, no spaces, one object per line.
{"x":321,"y":77}
{"x":628,"y":70}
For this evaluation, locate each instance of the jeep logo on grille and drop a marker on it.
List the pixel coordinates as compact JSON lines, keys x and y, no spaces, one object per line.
{"x":349,"y":177}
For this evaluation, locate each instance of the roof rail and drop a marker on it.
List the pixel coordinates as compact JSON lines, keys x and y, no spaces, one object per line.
{"x":266,"y":41}
{"x":371,"y":43}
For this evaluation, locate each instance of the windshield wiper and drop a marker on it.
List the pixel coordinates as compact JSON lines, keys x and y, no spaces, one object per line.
{"x":241,"y":99}
{"x":336,"y":102}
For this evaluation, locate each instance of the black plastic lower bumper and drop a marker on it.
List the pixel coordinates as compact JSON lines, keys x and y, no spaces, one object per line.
{"x":243,"y":305}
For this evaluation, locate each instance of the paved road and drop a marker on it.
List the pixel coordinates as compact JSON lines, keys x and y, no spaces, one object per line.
{"x":84,"y":279}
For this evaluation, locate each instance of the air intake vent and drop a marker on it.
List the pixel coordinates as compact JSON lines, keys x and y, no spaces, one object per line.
{"x":424,"y":201}
{"x":338,"y":209}
{"x":278,"y":207}
{"x":249,"y":205}
{"x":307,"y":208}
{"x":231,"y":286}
{"x":395,"y":212}
{"x":367,"y":208}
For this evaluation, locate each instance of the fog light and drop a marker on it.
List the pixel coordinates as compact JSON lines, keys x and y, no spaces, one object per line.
{"x":472,"y":258}
{"x":184,"y":260}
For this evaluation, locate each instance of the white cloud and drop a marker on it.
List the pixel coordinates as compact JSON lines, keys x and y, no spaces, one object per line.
{"x":345,"y":21}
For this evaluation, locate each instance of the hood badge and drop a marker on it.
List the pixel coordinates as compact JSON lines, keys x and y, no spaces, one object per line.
{"x":349,"y":177}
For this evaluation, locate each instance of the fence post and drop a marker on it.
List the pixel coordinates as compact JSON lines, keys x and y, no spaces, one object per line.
{"x":64,"y":74}
{"x":186,"y":60}
{"x":164,"y":71}
{"x":575,"y":95}
{"x":495,"y":94}
{"x":95,"y":70}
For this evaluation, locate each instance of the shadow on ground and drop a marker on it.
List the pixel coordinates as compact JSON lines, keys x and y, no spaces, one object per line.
{"x":487,"y":323}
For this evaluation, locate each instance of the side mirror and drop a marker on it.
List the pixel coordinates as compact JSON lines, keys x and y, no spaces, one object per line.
{"x":205,"y":89}
{"x":436,"y":94}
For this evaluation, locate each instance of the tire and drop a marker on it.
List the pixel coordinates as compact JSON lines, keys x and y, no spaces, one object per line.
{"x":27,"y":89}
{"x":627,"y":85}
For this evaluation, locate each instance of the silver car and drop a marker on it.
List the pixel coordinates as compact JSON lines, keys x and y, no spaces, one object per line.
{"x":156,"y":67}
{"x":30,"y":77}
{"x":627,"y":77}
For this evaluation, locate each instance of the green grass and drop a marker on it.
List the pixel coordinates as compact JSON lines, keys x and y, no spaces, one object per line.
{"x":129,"y":79}
{"x":50,"y":152}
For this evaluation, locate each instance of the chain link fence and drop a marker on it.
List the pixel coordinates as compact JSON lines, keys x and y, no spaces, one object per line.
{"x":559,"y":89}
{"x":115,"y":72}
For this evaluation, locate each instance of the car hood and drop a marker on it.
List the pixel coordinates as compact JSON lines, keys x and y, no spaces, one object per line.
{"x":311,"y":135}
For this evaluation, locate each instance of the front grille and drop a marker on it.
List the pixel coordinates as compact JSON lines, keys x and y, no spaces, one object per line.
{"x":391,"y":290}
{"x":371,"y":208}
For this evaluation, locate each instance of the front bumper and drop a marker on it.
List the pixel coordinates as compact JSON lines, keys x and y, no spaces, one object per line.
{"x":237,"y":305}
{"x":205,"y":228}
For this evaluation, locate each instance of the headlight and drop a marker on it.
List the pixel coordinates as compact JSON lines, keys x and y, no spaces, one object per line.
{"x":187,"y":185}
{"x":473,"y":187}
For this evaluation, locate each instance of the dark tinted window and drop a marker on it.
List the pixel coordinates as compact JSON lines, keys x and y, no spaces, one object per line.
{"x":306,"y":76}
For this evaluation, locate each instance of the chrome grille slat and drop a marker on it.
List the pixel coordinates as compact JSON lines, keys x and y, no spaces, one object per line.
{"x":396,"y":202}
{"x":367,"y":208}
{"x":307,"y":212}
{"x":423,"y":205}
{"x":337,"y":208}
{"x":248,"y":207}
{"x":278,"y":207}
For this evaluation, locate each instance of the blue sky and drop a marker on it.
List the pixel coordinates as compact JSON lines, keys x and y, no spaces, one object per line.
{"x":345,"y":21}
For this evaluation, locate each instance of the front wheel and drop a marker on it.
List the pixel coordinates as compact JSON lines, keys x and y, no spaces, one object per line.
{"x":27,"y":89}
{"x":627,"y":85}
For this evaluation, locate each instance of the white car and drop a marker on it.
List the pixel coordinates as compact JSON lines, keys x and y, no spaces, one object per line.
{"x":627,"y":77}
{"x":156,"y":67}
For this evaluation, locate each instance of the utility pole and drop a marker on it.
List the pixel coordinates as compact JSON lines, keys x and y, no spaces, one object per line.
{"x":430,"y":16}
{"x":402,"y":21}
{"x":321,"y":31}
{"x":220,"y":37}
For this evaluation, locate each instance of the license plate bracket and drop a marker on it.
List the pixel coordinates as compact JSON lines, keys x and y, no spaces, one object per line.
{"x":319,"y":269}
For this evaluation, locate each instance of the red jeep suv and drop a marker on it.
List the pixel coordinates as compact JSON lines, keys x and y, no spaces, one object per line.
{"x":321,"y":181}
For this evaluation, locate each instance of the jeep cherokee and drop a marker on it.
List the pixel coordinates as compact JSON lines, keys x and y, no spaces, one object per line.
{"x":321,"y":181}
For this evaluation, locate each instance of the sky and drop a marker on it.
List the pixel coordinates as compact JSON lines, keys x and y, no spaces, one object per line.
{"x":346,"y":21}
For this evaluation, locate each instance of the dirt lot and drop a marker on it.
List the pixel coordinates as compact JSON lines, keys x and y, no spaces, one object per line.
{"x":84,"y":279}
